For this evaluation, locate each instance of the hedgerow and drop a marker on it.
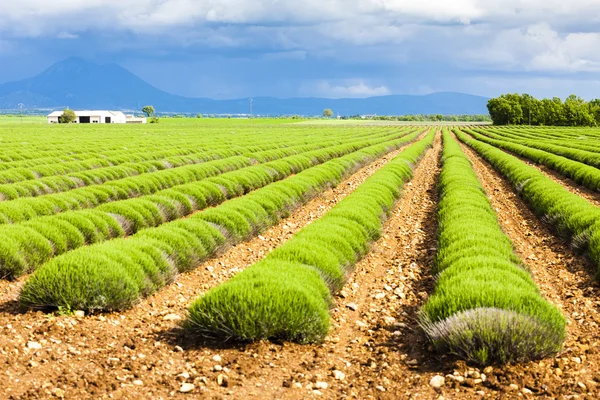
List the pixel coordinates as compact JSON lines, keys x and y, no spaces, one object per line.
{"x":106,"y":277}
{"x":485,"y":306}
{"x":287,"y":295}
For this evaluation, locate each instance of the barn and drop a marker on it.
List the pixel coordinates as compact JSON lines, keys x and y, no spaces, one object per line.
{"x":92,"y":117}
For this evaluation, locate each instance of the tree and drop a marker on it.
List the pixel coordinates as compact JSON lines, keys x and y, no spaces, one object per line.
{"x":67,"y":117}
{"x":328,"y":113}
{"x":500,"y":110}
{"x":149,"y":111}
{"x":515,"y":109}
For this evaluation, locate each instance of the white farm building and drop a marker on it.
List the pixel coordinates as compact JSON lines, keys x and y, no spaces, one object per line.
{"x":97,"y":117}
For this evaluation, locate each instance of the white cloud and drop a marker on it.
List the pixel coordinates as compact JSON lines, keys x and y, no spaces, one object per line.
{"x":537,"y":86}
{"x":351,"y":88}
{"x":66,"y":35}
{"x":538,"y":47}
{"x":547,"y":36}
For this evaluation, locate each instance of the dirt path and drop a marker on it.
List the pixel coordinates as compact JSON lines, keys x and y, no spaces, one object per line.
{"x":138,"y":352}
{"x":566,"y":279}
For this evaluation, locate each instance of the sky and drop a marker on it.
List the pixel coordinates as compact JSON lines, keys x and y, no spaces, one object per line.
{"x":324,"y":48}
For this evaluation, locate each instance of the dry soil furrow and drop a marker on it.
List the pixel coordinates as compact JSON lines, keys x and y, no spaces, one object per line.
{"x":381,"y":338}
{"x":139,"y":352}
{"x":566,"y":279}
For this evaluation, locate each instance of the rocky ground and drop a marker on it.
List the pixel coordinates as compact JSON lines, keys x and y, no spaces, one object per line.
{"x":375,"y":348}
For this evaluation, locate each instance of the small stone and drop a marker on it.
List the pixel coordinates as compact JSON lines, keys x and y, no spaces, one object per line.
{"x":480,"y":392}
{"x":34,"y":345}
{"x":186,"y":387}
{"x":217,"y":358}
{"x":321,"y":385}
{"x":582,"y":385}
{"x":33,"y":364}
{"x":183,"y":376}
{"x":526,"y":391}
{"x":456,"y":378}
{"x":171,"y":317}
{"x":379,"y":296}
{"x":437,"y":381}
{"x":113,"y":361}
{"x":137,"y":382}
{"x":317,"y":392}
{"x":488,"y":370}
{"x":298,"y":385}
{"x":512,"y":387}
{"x":339,"y":375}
{"x":380,"y":388}
{"x":352,"y":306}
{"x":576,"y":360}
{"x":79,"y":314}
{"x":178,"y":349}
{"x":222,"y":380}
{"x":474,"y":374}
{"x":413,"y":362}
{"x":58,"y":392}
{"x":389,"y":320}
{"x":361,"y":324}
{"x":217,"y":368}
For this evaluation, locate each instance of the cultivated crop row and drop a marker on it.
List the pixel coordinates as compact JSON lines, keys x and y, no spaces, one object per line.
{"x":485,"y":306}
{"x":573,"y":217}
{"x":573,"y":138}
{"x":79,"y":150}
{"x":62,"y":183}
{"x":116,"y":274}
{"x":581,"y":173}
{"x":567,"y":151}
{"x":123,"y":163}
{"x":29,"y":244}
{"x":287,"y":295}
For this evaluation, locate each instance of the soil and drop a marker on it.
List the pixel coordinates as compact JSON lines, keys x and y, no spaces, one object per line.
{"x":375,"y":348}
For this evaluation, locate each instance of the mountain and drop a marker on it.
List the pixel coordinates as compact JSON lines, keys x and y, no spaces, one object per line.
{"x":80,"y":84}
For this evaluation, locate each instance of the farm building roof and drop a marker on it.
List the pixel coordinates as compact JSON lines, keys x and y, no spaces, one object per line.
{"x":100,"y":113}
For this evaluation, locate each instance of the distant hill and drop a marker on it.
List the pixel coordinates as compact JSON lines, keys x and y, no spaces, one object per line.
{"x":80,"y":84}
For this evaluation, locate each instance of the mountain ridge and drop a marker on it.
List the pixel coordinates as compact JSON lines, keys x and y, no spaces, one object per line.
{"x":81,"y":84}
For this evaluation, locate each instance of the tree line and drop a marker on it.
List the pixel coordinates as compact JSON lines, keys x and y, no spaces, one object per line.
{"x":524,"y":109}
